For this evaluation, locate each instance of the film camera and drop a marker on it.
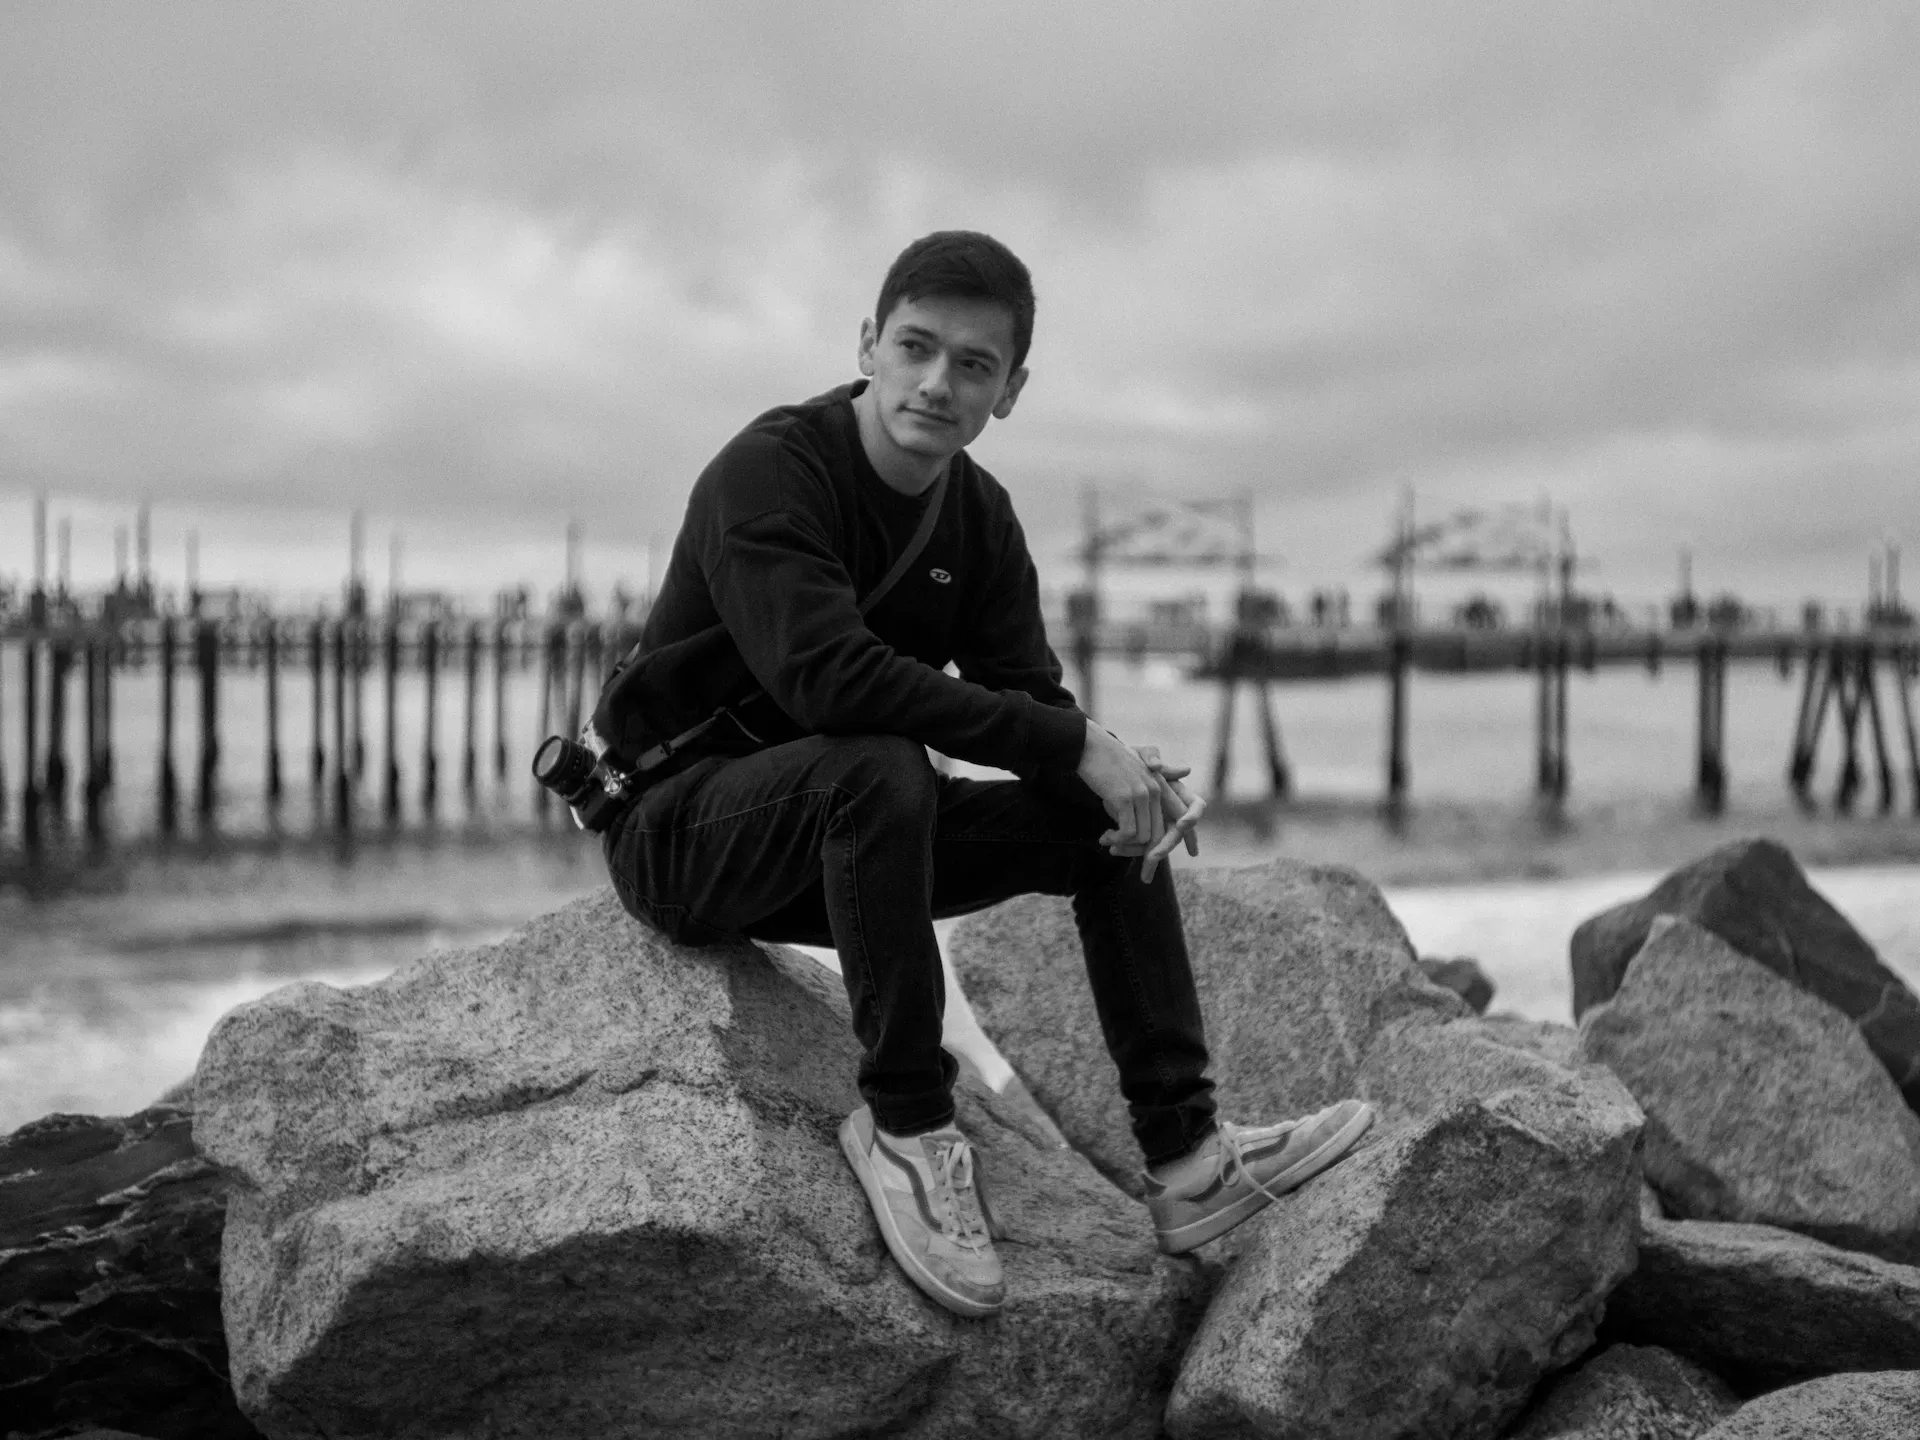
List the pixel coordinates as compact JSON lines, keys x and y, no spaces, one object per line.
{"x":596,"y":791}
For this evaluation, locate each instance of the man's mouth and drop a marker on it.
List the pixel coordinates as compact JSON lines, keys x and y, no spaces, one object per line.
{"x":929,"y":416}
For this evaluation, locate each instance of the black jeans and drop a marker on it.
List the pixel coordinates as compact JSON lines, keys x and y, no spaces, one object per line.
{"x":858,"y":843}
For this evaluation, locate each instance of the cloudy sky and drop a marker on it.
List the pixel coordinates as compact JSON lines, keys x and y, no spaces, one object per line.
{"x":477,"y":267}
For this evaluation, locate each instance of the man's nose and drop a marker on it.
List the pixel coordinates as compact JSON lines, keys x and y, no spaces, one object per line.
{"x":933,"y":380}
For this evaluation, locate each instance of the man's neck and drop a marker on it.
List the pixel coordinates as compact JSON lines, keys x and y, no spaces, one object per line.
{"x":901,"y":470}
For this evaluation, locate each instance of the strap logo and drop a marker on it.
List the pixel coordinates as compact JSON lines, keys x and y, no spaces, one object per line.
{"x":940,"y":576}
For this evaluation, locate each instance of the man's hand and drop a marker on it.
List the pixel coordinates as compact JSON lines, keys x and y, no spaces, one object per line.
{"x":1127,"y":787}
{"x":1181,"y":807}
{"x":1176,"y":810}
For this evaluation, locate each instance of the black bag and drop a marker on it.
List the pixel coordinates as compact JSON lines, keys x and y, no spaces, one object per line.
{"x":696,"y":696}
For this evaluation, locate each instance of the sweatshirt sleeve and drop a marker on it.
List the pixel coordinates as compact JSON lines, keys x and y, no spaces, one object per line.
{"x":788,"y":602}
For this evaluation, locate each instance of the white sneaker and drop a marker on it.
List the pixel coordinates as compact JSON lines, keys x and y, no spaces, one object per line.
{"x":1241,"y":1169}
{"x":922,"y":1191}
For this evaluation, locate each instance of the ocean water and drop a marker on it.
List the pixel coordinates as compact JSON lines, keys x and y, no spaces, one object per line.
{"x":115,"y":965}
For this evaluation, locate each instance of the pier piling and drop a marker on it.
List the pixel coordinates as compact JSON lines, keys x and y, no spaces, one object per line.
{"x":317,"y":761}
{"x":500,"y":700}
{"x":272,"y":661}
{"x":3,"y":739}
{"x":1870,"y":686}
{"x":1903,"y":671}
{"x":207,"y":652}
{"x":430,"y":677}
{"x":54,"y":787}
{"x":469,"y":758}
{"x":1710,"y":774}
{"x":358,"y":645}
{"x":1223,"y":735}
{"x":93,"y":658}
{"x":390,"y":673}
{"x":30,"y":739}
{"x":1399,"y":660}
{"x":169,"y":782}
{"x":342,"y":759}
{"x":1279,"y":775}
{"x":576,"y":642}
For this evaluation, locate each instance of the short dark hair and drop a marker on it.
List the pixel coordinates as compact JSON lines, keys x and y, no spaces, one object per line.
{"x":967,"y":264}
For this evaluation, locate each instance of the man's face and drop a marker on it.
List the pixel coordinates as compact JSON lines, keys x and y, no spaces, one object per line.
{"x":942,"y":366}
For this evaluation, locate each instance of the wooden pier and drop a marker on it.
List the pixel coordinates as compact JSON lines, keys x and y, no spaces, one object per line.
{"x":336,"y":653}
{"x":1856,"y":694}
{"x":1844,"y":672}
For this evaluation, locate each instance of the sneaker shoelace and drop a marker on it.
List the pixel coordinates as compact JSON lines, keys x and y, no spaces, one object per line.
{"x":1233,"y":1160}
{"x":953,"y":1167}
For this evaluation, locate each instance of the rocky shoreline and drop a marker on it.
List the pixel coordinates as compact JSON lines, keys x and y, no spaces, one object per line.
{"x":585,"y":1182}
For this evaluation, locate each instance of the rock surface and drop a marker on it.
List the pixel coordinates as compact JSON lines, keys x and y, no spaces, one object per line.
{"x":1755,"y":896}
{"x":586,"y":1183}
{"x":1763,"y":1102}
{"x":1413,"y":1070}
{"x":1763,"y":1306}
{"x":1462,"y":975}
{"x":1884,"y":1406}
{"x":1297,"y":968}
{"x":1628,"y":1392}
{"x":1426,"y":1284}
{"x":110,"y":1280}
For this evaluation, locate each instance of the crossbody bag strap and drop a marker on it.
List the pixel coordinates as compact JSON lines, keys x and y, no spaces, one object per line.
{"x":921,"y":535}
{"x":666,"y":749}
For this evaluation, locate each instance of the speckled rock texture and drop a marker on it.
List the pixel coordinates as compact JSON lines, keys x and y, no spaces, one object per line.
{"x":1763,"y":1102}
{"x":585,"y":1183}
{"x":1297,"y":968}
{"x":110,"y":1280}
{"x":1462,"y":975}
{"x":1761,"y":1306}
{"x":1754,"y":895}
{"x":1425,"y":1285}
{"x":1628,"y":1392}
{"x":1883,"y":1406}
{"x":1414,"y":1070}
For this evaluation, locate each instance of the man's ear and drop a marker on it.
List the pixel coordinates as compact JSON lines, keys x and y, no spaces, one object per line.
{"x":1004,"y":407}
{"x":869,"y":337}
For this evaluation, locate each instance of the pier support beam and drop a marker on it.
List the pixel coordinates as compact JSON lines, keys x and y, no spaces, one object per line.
{"x":272,"y":658}
{"x":390,"y":674}
{"x":59,"y":666}
{"x":1710,"y":775}
{"x":469,"y":750}
{"x":317,"y":760}
{"x":207,"y":652}
{"x":169,"y":782}
{"x":430,"y":751}
{"x":1399,"y":770}
{"x":342,"y":758}
{"x":500,"y":700}
{"x":1906,"y":663}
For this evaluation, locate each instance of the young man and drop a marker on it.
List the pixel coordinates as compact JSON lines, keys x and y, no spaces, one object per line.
{"x":837,"y":831}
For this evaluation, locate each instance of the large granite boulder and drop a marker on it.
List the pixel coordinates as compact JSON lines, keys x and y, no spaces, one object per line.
{"x":586,"y":1183}
{"x":1297,"y":968}
{"x":1628,"y":1392}
{"x":1763,"y":1102}
{"x":110,"y":1280}
{"x":1427,"y":1283}
{"x":1883,"y":1406}
{"x":1763,"y":1306}
{"x":1755,"y":896}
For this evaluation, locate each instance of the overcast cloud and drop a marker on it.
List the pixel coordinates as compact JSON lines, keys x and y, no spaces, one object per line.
{"x":482,"y":265}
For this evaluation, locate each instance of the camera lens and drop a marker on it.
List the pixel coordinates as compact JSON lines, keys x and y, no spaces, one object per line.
{"x":561,"y":765}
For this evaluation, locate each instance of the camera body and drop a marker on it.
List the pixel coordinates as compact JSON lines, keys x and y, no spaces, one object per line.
{"x":597,"y":792}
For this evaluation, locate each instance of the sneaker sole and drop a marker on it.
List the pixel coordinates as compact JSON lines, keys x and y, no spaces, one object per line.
{"x":1188,"y":1237}
{"x":941,"y":1294}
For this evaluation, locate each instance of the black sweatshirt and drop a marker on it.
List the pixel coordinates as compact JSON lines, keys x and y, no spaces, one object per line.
{"x":790,"y":525}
